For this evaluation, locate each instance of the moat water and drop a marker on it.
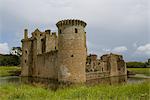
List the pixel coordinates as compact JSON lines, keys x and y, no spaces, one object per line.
{"x":54,"y":85}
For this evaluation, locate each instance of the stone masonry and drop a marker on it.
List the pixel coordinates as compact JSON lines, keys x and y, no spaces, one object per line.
{"x":63,"y":55}
{"x":106,"y":66}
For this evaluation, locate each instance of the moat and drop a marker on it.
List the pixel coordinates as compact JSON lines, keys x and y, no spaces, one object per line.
{"x":54,"y":85}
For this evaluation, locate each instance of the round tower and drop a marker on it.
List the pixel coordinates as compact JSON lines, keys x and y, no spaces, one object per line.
{"x":71,"y":51}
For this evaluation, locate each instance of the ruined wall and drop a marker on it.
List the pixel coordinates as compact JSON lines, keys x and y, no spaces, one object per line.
{"x":47,"y":65}
{"x":96,"y":75}
{"x":46,"y":41}
{"x":40,"y":39}
{"x":94,"y":64}
{"x":26,"y":56}
{"x":114,"y":65}
{"x":51,"y":42}
{"x":122,"y":67}
{"x":91,"y":63}
{"x":36,"y":60}
{"x":45,"y":54}
{"x":109,"y":63}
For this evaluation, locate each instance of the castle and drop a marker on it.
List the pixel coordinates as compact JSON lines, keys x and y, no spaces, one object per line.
{"x":63,"y":56}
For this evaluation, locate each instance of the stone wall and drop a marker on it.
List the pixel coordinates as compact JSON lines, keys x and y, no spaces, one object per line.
{"x":96,"y":75}
{"x":112,"y":63}
{"x":51,"y":42}
{"x":71,"y":51}
{"x":61,"y":57}
{"x":47,"y":65}
{"x":26,"y":57}
{"x":64,"y":57}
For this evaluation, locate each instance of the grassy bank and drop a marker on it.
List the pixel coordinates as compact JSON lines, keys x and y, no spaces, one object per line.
{"x":138,"y":91}
{"x":12,"y":91}
{"x":145,"y":71}
{"x":9,"y":70}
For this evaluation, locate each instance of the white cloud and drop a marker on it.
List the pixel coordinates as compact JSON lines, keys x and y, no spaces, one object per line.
{"x":144,"y":49}
{"x":120,"y":49}
{"x":117,"y":50}
{"x":4,"y":49}
{"x":113,"y":22}
{"x":135,"y":44}
{"x":106,"y":50}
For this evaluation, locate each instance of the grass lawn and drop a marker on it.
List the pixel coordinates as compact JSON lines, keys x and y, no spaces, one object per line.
{"x":145,"y":71}
{"x":9,"y":70}
{"x":138,"y":91}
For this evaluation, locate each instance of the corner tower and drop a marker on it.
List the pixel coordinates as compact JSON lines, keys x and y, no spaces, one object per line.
{"x":71,"y":51}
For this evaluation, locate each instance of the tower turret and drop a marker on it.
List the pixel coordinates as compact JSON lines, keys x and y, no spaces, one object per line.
{"x":71,"y":50}
{"x":25,"y":33}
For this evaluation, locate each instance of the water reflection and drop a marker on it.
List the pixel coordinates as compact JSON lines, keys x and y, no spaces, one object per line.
{"x":54,"y":84}
{"x":46,"y":83}
{"x":10,"y":79}
{"x":109,"y":80}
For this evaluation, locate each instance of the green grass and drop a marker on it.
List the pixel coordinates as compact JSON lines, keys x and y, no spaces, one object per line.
{"x":138,"y":91}
{"x":9,"y":70}
{"x":12,"y":91}
{"x":145,"y":71}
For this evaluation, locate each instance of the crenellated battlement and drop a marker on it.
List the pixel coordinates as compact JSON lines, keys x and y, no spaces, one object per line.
{"x":48,"y":31}
{"x":71,"y":22}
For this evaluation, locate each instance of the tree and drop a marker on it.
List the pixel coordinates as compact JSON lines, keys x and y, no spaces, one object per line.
{"x":16,"y":51}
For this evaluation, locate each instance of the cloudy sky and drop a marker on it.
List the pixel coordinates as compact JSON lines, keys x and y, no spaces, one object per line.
{"x":118,"y":26}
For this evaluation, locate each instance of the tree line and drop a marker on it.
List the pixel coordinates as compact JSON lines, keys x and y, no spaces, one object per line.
{"x":9,"y":60}
{"x":12,"y":59}
{"x":138,"y":64}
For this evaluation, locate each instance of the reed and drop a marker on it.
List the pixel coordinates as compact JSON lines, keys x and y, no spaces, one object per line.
{"x":9,"y":70}
{"x":139,"y":91}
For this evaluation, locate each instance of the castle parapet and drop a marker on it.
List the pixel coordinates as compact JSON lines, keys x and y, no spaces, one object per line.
{"x":48,"y":31}
{"x":71,"y":22}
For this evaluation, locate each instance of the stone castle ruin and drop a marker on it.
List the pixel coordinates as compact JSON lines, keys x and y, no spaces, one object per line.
{"x":63,"y":56}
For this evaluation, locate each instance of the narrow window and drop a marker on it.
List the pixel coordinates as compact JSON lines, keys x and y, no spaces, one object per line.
{"x":43,"y":45}
{"x":25,"y":61}
{"x":76,"y":30}
{"x":55,"y":48}
{"x":60,"y":31}
{"x":102,"y":69}
{"x":26,"y":51}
